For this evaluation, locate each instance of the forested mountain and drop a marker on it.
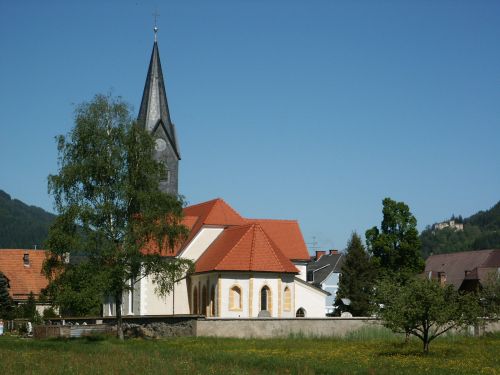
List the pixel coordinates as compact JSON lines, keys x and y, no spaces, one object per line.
{"x":22,"y":226}
{"x":480,"y":231}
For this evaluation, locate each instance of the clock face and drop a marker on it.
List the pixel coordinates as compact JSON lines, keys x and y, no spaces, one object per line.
{"x":160,"y":144}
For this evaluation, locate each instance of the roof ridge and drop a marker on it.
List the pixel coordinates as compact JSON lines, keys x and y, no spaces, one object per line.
{"x":230,"y":207}
{"x":252,"y":248}
{"x":232,"y":248}
{"x":279,"y":220}
{"x":465,"y":251}
{"x":272,"y":245}
{"x":202,"y":203}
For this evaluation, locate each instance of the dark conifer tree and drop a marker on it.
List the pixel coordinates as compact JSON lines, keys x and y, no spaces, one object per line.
{"x":356,"y":280}
{"x":6,"y":303}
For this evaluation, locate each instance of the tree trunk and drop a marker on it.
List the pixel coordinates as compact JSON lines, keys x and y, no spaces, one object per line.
{"x":119,"y":320}
{"x":426,"y":341}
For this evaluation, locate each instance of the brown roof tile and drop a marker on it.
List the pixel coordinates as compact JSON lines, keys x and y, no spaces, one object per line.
{"x":23,"y":279}
{"x":454,"y":265}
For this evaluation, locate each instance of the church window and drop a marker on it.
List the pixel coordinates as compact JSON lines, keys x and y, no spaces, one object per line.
{"x":235,"y":300}
{"x":195,"y":301}
{"x":265,"y":299}
{"x":287,"y":303}
{"x":301,"y":313}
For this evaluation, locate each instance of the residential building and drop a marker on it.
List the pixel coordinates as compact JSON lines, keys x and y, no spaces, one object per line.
{"x":324,"y":272}
{"x":466,"y":270}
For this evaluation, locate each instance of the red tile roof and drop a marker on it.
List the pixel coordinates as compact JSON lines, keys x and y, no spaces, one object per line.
{"x":479,"y":263}
{"x":274,"y":244}
{"x":212,"y":213}
{"x":287,"y":235}
{"x":244,"y":248}
{"x":23,"y":279}
{"x":215,"y":212}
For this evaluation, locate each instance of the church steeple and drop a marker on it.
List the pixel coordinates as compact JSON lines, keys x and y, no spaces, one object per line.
{"x":154,"y":116}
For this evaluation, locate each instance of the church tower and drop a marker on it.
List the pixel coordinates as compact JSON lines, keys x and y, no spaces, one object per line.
{"x":154,"y":116}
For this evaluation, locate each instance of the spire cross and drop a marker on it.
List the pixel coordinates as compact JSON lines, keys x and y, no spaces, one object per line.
{"x":156,"y":15}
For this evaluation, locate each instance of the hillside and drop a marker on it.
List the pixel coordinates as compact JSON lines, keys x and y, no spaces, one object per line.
{"x":22,"y":226}
{"x":480,"y":231}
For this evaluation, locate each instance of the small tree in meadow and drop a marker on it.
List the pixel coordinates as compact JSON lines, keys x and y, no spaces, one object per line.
{"x":425,"y":309}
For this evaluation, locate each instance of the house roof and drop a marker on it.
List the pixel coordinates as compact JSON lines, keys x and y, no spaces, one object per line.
{"x":244,"y":248}
{"x":325,"y":265}
{"x":478,"y":265}
{"x":287,"y":235}
{"x":23,"y":279}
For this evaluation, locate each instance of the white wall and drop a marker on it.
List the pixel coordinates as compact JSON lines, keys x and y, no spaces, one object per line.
{"x":203,"y":239}
{"x":252,"y":283}
{"x":310,"y":299}
{"x":302,"y":267}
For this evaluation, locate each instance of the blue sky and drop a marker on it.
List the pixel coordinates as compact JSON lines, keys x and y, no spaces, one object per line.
{"x":308,"y":110}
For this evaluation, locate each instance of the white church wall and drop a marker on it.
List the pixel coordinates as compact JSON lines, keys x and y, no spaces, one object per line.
{"x":310,"y":299}
{"x":200,"y":243}
{"x":302,"y":267}
{"x":176,"y":302}
{"x":227,"y":281}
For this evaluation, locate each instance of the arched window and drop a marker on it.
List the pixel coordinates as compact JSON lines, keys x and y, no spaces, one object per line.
{"x":287,"y":303}
{"x":204,"y":300}
{"x":195,"y":301}
{"x":301,"y":313}
{"x":212,"y":301}
{"x":265,"y":299}
{"x":235,"y":302}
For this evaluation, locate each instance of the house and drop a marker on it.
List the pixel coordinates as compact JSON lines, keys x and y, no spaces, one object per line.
{"x":244,"y":268}
{"x":452,"y":224}
{"x":23,"y":269}
{"x":466,"y":270}
{"x":324,"y":272}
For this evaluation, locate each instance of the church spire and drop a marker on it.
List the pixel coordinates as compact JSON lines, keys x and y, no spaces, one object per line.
{"x":154,"y":116}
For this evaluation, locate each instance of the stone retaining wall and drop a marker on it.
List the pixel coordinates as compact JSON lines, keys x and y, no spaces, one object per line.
{"x":268,"y":328}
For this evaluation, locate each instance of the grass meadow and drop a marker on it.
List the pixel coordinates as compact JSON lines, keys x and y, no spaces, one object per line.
{"x":361,"y":353}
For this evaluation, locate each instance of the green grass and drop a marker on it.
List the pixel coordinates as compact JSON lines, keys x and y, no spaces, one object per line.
{"x":368,"y":353}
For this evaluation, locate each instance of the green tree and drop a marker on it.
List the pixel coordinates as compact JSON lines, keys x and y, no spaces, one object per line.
{"x":109,"y":203}
{"x":6,"y":303}
{"x":357,"y":279}
{"x":77,"y":291}
{"x":490,"y":296}
{"x":425,"y":309}
{"x":396,"y":246}
{"x":29,"y":308}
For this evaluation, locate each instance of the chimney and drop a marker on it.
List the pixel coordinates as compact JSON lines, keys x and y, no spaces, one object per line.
{"x":334,"y":252}
{"x":319,"y":254}
{"x":442,"y":278}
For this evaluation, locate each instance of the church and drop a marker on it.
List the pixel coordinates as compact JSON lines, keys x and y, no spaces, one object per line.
{"x":244,"y":268}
